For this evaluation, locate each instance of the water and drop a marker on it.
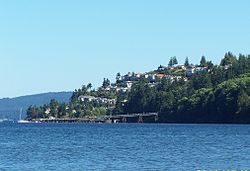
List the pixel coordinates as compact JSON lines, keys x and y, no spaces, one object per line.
{"x":73,"y":147}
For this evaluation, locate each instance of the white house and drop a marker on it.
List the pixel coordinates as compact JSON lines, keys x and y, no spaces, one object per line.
{"x":190,"y":71}
{"x":86,"y":98}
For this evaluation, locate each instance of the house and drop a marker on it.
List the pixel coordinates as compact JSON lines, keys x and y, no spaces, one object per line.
{"x":151,"y":85}
{"x":86,"y":98}
{"x":170,"y":68}
{"x":97,"y":100}
{"x":162,"y":68}
{"x":178,"y":78}
{"x":160,"y":76}
{"x":185,"y":79}
{"x":122,"y":89}
{"x":52,"y":117}
{"x":196,"y":70}
{"x":112,"y":102}
{"x":190,"y":72}
{"x":47,"y":111}
{"x":226,"y":67}
{"x":182,"y":67}
{"x":151,"y":77}
{"x":201,"y":70}
{"x":129,"y":84}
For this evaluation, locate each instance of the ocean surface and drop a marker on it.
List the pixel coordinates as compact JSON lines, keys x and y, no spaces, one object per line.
{"x":83,"y":147}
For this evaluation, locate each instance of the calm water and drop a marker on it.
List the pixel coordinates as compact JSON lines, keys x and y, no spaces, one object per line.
{"x":123,"y":147}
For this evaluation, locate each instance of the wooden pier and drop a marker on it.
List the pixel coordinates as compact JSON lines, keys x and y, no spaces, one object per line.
{"x":133,"y":118}
{"x":126,"y":118}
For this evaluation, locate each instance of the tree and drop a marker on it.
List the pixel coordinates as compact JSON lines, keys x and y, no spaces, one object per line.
{"x":140,"y":98}
{"x":229,"y":59}
{"x":54,"y":105}
{"x":118,"y":77}
{"x":89,"y":86}
{"x":32,"y":112}
{"x":105,"y":83}
{"x":186,"y":62}
{"x":210,"y":65}
{"x":201,"y":81}
{"x":171,"y":62}
{"x":203,"y":61}
{"x":175,"y":62}
{"x":62,"y":110}
{"x":243,"y":103}
{"x":243,"y":65}
{"x":83,"y":91}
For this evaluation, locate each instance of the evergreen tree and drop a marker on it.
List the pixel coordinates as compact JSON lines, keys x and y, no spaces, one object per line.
{"x":171,"y":62}
{"x":229,"y":59}
{"x":118,"y":77}
{"x":105,"y":83}
{"x":203,"y":61}
{"x":210,"y":65}
{"x":175,"y":62}
{"x":186,"y":64}
{"x":89,"y":86}
{"x":54,"y":105}
{"x":243,"y":102}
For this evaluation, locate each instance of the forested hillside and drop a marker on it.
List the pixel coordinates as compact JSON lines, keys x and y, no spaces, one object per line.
{"x":205,"y":92}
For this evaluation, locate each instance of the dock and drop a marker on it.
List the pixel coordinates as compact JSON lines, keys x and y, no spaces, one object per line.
{"x":125,"y":118}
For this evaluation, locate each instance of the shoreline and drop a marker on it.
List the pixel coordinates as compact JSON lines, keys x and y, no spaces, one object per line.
{"x":102,"y":121}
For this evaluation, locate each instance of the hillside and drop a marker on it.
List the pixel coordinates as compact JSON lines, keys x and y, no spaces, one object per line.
{"x":201,"y":93}
{"x":10,"y":107}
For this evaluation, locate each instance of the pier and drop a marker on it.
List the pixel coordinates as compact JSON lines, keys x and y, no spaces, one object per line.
{"x":133,"y":118}
{"x":126,"y":118}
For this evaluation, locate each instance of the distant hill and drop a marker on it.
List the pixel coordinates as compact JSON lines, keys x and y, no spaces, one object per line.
{"x":10,"y":107}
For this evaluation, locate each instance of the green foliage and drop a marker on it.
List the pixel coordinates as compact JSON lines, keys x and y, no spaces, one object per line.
{"x":243,"y":103}
{"x":54,"y":106}
{"x":186,"y":62}
{"x":75,"y":108}
{"x":229,"y":59}
{"x":201,"y":81}
{"x":173,"y":61}
{"x":105,"y":83}
{"x":118,"y":77}
{"x":139,"y":98}
{"x":203,"y":61}
{"x":89,"y":86}
{"x":221,"y":95}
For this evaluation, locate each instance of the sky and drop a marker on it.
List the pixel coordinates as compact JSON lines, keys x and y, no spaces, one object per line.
{"x":59,"y":45}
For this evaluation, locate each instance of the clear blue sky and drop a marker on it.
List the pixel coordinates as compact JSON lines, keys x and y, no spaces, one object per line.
{"x":58,"y":45}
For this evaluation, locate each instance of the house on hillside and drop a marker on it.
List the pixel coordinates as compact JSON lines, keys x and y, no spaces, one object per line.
{"x":100,"y":100}
{"x":181,"y":67}
{"x":131,"y":77}
{"x":190,"y":71}
{"x":86,"y":98}
{"x":150,"y":77}
{"x":160,"y":76}
{"x":196,"y":70}
{"x":162,"y":68}
{"x":122,"y":89}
